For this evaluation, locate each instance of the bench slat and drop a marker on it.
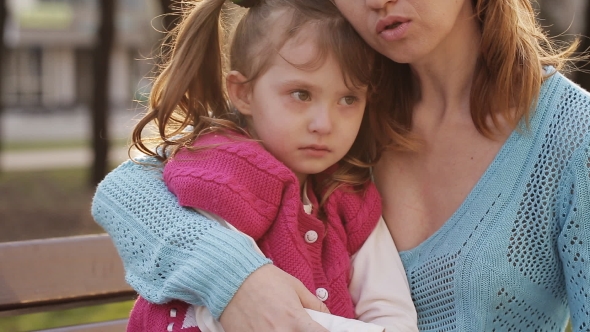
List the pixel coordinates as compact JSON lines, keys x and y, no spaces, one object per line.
{"x":60,"y":271}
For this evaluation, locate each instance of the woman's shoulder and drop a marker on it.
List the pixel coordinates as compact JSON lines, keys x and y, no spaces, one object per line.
{"x":563,"y":106}
{"x":562,"y":119}
{"x":568,"y":91}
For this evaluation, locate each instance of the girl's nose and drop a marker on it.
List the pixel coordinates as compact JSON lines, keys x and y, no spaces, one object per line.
{"x":321,"y":121}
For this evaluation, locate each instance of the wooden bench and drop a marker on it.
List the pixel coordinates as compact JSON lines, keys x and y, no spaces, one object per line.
{"x":62,"y":273}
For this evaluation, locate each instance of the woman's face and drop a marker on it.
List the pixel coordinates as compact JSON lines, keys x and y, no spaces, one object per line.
{"x":413,"y":31}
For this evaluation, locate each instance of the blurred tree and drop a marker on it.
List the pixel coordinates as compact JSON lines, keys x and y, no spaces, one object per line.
{"x":3,"y":14}
{"x":100,"y":98}
{"x":566,"y":19}
{"x":170,"y":18}
{"x":100,"y":102}
{"x":168,"y":11}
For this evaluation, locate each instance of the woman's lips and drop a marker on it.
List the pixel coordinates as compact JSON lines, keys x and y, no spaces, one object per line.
{"x":392,"y":28}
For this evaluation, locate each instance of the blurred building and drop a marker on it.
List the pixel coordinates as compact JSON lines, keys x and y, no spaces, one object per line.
{"x":50,"y":47}
{"x":49,"y":54}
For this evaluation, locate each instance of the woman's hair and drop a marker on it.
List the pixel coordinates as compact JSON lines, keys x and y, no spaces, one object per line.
{"x":507,"y":79}
{"x":188,"y":97}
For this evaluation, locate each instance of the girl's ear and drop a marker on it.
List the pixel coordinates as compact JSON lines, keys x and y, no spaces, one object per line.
{"x":239,"y":91}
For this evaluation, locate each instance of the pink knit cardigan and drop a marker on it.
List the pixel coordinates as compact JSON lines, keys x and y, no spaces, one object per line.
{"x":238,"y":180}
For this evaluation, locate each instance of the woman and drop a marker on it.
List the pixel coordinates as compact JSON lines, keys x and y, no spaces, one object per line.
{"x":485,"y":184}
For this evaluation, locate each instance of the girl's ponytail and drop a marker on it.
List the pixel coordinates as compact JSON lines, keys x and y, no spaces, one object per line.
{"x":190,"y":86}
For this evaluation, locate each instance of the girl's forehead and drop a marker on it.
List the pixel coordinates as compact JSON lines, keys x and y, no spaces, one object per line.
{"x":304,"y":37}
{"x":282,"y":28}
{"x":297,"y":46}
{"x":305,"y":49}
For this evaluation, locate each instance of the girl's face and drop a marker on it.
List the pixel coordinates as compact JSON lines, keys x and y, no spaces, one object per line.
{"x":307,"y":118}
{"x":413,"y":31}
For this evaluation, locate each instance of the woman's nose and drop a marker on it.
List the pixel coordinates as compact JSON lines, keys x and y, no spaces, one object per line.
{"x":378,"y":4}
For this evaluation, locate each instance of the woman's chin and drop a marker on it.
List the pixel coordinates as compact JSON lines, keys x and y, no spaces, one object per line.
{"x":400,"y":57}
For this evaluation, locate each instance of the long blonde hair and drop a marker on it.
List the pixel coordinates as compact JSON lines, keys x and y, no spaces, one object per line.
{"x":188,"y":97}
{"x":507,"y":81}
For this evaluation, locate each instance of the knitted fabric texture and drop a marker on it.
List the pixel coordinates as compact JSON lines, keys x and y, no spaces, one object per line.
{"x":169,"y":317}
{"x":159,"y":257}
{"x":238,"y":180}
{"x":244,"y":184}
{"x":515,"y":256}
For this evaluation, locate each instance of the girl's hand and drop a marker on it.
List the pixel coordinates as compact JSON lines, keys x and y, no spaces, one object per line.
{"x":272,"y":300}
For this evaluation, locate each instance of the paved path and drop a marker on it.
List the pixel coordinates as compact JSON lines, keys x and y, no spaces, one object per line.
{"x":73,"y":125}
{"x":61,"y":125}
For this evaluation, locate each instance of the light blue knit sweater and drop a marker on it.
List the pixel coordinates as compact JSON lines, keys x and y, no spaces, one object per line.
{"x":514,"y":257}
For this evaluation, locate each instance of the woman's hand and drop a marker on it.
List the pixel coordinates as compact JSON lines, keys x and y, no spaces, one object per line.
{"x":272,"y":300}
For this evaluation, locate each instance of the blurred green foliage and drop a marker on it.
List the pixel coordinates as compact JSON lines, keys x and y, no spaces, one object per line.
{"x":77,"y":316}
{"x":50,"y":144}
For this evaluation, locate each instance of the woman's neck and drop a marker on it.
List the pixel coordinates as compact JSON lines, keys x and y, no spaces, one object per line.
{"x":444,"y":78}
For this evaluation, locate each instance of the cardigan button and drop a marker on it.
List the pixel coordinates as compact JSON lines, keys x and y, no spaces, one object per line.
{"x":321,"y":294}
{"x":311,"y":236}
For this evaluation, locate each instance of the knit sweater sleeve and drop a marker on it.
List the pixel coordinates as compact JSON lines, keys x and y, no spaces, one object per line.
{"x":574,"y":239}
{"x":170,"y":252}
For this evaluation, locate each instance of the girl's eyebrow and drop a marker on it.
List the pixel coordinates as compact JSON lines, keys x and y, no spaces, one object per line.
{"x":310,"y":86}
{"x":298,"y":82}
{"x":301,"y":84}
{"x":360,"y":89}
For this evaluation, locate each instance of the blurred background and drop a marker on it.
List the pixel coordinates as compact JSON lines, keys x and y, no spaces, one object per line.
{"x":73,"y":76}
{"x":59,"y":57}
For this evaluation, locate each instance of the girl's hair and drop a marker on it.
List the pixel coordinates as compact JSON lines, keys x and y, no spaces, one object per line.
{"x":507,"y":80}
{"x":188,"y":97}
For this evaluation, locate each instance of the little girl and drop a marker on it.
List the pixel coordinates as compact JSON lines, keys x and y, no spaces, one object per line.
{"x":276,"y":155}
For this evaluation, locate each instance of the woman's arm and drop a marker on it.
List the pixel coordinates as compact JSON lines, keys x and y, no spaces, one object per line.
{"x":170,"y":252}
{"x":379,"y":287}
{"x":574,"y":239}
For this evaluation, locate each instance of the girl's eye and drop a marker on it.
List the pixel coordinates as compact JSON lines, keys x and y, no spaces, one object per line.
{"x":301,"y":95}
{"x":348,"y":100}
